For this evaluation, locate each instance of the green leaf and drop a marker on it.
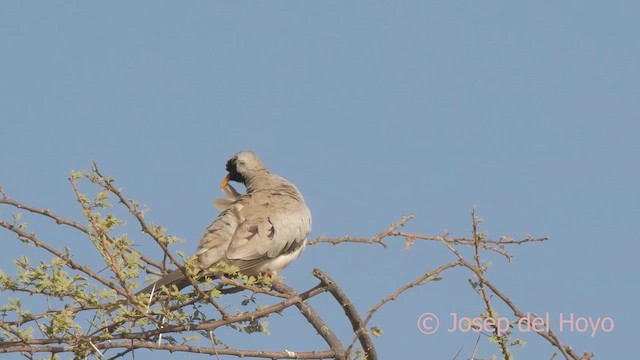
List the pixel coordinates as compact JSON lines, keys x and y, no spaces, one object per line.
{"x":193,"y":338}
{"x":376,"y":331}
{"x":215,"y":294}
{"x":264,"y":326}
{"x":519,"y":342}
{"x":76,"y":174}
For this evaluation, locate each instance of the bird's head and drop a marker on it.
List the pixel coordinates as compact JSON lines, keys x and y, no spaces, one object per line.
{"x":242,"y":166}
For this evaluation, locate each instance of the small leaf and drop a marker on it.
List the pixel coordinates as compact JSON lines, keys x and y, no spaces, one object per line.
{"x":76,"y":174}
{"x":519,"y":342}
{"x":264,"y":326}
{"x":376,"y":331}
{"x":215,"y":294}
{"x":190,"y":338}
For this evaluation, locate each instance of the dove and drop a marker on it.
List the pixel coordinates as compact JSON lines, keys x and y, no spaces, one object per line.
{"x":260,"y":232}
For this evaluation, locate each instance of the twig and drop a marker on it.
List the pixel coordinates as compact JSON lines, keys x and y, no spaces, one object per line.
{"x":393,"y":296}
{"x":74,"y":224}
{"x":143,"y":344}
{"x":419,"y":281}
{"x":71,"y":263}
{"x":101,"y":236}
{"x":133,"y":210}
{"x":487,"y":244}
{"x":496,"y":246}
{"x":549,"y":335}
{"x":491,"y":314}
{"x":376,"y":239}
{"x":294,"y":299}
{"x":504,"y":240}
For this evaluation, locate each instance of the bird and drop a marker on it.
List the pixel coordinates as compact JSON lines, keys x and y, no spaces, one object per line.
{"x":260,"y":232}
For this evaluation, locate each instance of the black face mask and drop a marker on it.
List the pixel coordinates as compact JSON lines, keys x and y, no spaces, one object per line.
{"x":234,"y":175}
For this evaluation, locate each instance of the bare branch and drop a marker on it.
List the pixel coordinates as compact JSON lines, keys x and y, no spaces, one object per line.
{"x":428,"y":276}
{"x":487,"y":244}
{"x":359,"y":327}
{"x":376,"y":239}
{"x":143,"y":344}
{"x":548,"y":335}
{"x":315,"y":320}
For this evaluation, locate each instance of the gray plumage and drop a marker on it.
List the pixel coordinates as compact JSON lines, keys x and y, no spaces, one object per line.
{"x":260,"y":232}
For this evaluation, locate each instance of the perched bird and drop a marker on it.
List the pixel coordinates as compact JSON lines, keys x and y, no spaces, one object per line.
{"x":260,"y":232}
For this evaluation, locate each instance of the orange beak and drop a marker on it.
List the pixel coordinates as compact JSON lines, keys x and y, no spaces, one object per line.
{"x":225,"y":181}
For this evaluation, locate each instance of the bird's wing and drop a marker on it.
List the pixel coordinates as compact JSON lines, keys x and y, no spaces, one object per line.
{"x":255,"y":230}
{"x":217,"y":237}
{"x":271,"y":228}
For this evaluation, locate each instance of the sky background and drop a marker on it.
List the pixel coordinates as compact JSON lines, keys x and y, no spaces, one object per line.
{"x":529,"y":111}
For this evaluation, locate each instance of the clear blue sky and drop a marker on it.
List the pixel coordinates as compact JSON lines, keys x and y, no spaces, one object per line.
{"x":528,"y":111}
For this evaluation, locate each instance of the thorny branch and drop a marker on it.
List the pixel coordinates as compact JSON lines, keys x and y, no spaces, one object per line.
{"x":375,"y":239}
{"x":478,"y":271}
{"x":74,"y":224}
{"x":140,"y":326}
{"x":69,"y":262}
{"x":498,"y":246}
{"x":549,"y":335}
{"x":423,"y":279}
{"x":144,"y":344}
{"x":501,"y":339}
{"x":107,"y":183}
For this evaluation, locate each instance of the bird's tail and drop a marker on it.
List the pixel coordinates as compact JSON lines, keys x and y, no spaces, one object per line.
{"x":176,"y":277}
